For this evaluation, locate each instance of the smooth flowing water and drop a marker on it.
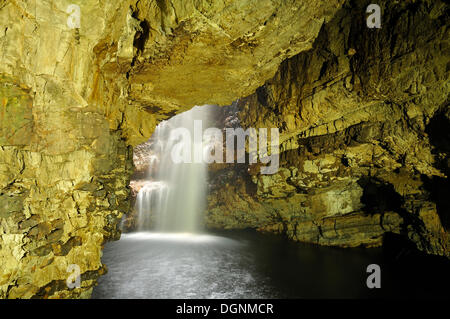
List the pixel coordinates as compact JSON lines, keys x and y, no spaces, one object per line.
{"x":175,"y":194}
{"x":251,"y":265}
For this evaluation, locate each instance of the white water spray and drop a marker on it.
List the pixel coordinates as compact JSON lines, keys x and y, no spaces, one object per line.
{"x":175,"y":197}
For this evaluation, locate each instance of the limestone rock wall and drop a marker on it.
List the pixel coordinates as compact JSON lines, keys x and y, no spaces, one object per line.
{"x":362,"y":152}
{"x":63,"y":171}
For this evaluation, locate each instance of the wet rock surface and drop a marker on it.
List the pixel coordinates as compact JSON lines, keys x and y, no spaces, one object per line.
{"x":361,"y":118}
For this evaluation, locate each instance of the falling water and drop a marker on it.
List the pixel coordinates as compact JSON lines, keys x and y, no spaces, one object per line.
{"x":174,"y":196}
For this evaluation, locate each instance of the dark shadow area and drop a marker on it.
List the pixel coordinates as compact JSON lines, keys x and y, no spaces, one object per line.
{"x":438,"y":130}
{"x":142,"y":35}
{"x":439,"y":189}
{"x":379,"y":197}
{"x":419,"y":274}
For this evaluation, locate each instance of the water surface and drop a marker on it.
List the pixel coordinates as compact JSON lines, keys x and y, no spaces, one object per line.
{"x":252,"y":265}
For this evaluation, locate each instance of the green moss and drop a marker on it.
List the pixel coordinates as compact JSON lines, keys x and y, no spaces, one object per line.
{"x":10,"y":205}
{"x":16,"y":120}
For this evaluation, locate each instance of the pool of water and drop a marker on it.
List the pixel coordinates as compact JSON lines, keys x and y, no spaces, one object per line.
{"x":251,"y":265}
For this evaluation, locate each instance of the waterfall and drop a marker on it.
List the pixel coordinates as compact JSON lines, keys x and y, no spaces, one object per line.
{"x":173,"y":197}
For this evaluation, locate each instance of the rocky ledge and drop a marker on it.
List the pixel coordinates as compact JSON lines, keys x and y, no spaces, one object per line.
{"x":363,"y":120}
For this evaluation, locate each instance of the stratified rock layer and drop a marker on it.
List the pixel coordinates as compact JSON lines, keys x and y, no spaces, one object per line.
{"x":361,"y":118}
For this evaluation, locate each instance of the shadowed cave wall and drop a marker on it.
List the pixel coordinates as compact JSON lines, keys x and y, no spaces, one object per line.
{"x":359,"y":115}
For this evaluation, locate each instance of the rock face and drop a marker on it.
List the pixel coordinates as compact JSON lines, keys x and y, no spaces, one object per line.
{"x":362,"y":111}
{"x":358,"y":117}
{"x":227,"y":46}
